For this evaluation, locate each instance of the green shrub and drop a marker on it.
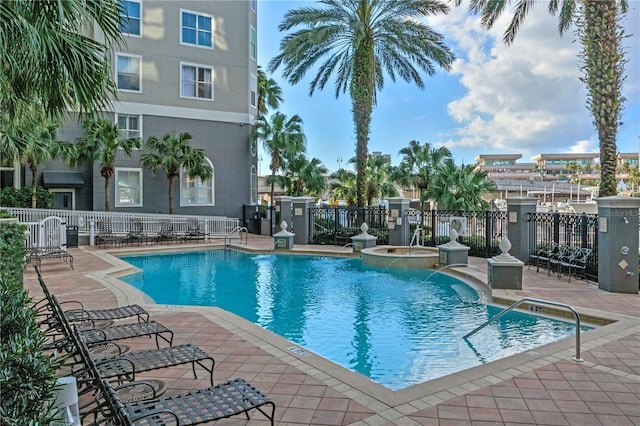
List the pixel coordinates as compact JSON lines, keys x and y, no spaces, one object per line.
{"x":27,"y":373}
{"x":14,"y":197}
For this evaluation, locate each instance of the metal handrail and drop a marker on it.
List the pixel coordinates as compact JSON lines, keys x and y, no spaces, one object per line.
{"x":539,"y":301}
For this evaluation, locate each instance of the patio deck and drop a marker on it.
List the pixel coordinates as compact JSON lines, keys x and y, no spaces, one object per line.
{"x":543,"y":386}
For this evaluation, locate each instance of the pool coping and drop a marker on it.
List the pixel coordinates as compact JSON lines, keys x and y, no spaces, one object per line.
{"x":354,"y":385}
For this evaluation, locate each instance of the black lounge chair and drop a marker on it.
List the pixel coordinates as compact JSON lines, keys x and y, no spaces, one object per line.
{"x":194,"y":232}
{"x":105,"y":234}
{"x":136,"y":233}
{"x":205,"y":405}
{"x":166,"y":232}
{"x":35,"y":255}
{"x":95,"y":336}
{"x":577,"y":262}
{"x":94,"y":316}
{"x":130,"y":363}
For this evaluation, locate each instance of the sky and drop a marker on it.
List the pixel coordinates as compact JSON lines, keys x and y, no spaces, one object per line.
{"x":524,"y":99}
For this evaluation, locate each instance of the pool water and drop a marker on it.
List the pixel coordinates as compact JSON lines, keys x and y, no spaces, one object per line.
{"x":398,"y":327}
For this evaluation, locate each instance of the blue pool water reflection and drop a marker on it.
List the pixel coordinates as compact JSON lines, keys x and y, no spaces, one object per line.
{"x":398,"y":327}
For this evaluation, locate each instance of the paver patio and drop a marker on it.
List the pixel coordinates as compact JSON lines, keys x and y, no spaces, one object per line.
{"x":543,"y":386}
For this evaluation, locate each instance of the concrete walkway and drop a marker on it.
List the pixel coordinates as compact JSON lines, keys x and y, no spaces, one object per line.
{"x":543,"y":386}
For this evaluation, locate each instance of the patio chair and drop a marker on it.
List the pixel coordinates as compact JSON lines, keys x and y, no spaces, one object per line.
{"x":194,"y":232}
{"x":222,"y":401}
{"x":105,"y":234}
{"x":577,"y":262}
{"x":95,"y":336}
{"x":541,"y":257}
{"x":563,"y":254}
{"x":93,"y":316}
{"x":36,"y":254}
{"x":166,"y":232}
{"x":136,"y":233}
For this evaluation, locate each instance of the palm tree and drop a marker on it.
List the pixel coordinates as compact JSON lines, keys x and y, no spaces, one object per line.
{"x":419,"y":164}
{"x":460,"y":188}
{"x":171,"y":153}
{"x":102,"y":142}
{"x":343,"y":186}
{"x":602,"y":61}
{"x":38,"y":151}
{"x":360,"y":40}
{"x":48,"y":56}
{"x":269,"y":93}
{"x":304,"y":177}
{"x":379,"y":181}
{"x":281,"y":137}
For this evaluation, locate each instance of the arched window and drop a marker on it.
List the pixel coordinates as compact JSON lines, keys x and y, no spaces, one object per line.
{"x":254,"y":185}
{"x":196,"y":192}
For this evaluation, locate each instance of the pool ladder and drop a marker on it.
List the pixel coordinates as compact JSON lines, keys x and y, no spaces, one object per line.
{"x":576,"y":316}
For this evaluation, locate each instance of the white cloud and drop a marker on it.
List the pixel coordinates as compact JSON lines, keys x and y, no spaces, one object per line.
{"x":524,"y":98}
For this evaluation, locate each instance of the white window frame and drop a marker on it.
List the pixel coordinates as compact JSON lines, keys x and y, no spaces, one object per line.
{"x":118,"y":115}
{"x":139,"y":19}
{"x":183,"y":188}
{"x":117,"y":187}
{"x":131,"y":56}
{"x":253,"y":185}
{"x":253,"y":43}
{"x":197,"y":14}
{"x":197,"y":66}
{"x":253,"y":90}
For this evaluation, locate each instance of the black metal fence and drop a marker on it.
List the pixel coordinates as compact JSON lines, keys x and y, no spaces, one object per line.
{"x":336,"y":225}
{"x":479,"y":230}
{"x":578,"y":230}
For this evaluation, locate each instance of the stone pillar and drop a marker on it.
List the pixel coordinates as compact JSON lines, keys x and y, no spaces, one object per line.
{"x":518,"y":227}
{"x":301,"y":218}
{"x":505,"y":271}
{"x":398,"y":228}
{"x":618,"y":244}
{"x":363,"y":240}
{"x":283,"y":206}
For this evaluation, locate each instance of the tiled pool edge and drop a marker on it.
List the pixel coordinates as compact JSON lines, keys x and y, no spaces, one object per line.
{"x":388,"y":404}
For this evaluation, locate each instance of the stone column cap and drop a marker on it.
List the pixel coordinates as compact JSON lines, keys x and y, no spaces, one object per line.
{"x":617,"y":201}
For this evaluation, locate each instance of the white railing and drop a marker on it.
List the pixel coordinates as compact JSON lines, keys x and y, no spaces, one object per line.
{"x":122,"y":222}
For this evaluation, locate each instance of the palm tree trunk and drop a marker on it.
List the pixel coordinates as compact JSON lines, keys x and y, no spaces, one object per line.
{"x":34,"y":200}
{"x":362,"y":89}
{"x":604,"y":68}
{"x":171,"y":195}
{"x":107,"y":198}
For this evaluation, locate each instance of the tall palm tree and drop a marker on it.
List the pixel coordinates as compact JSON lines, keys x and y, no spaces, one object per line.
{"x":281,"y":137}
{"x":171,"y":153}
{"x":358,"y":41}
{"x":40,"y":148}
{"x":602,"y":61}
{"x":343,"y":186}
{"x":460,"y":188}
{"x":419,"y":164}
{"x":269,"y":93}
{"x":48,"y":56}
{"x":102,"y":142}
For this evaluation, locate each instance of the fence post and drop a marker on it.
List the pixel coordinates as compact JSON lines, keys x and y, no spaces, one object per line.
{"x":301,"y":219}
{"x":283,"y":205}
{"x":398,"y":222}
{"x":618,"y":244}
{"x":488,"y":222}
{"x":517,"y":229}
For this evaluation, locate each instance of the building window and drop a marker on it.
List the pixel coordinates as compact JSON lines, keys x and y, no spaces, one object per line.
{"x":254,"y":185}
{"x":196,"y":29}
{"x":130,"y":13}
{"x":253,"y":91}
{"x":128,"y":72}
{"x":196,"y":192}
{"x":129,"y":125}
{"x":128,"y":187}
{"x":252,"y":4}
{"x":196,"y":81}
{"x":253,"y":43}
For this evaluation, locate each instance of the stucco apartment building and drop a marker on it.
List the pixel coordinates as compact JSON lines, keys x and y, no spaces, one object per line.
{"x":185,"y":66}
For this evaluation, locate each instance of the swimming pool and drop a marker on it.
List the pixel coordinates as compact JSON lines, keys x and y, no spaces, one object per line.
{"x":398,"y":327}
